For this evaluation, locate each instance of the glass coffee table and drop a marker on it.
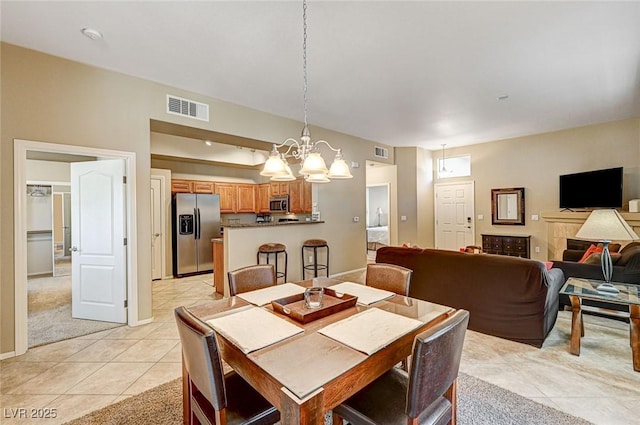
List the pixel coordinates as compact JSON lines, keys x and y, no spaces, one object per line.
{"x":578,"y":289}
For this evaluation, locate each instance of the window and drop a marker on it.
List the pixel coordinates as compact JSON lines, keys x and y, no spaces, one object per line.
{"x":454,"y":166}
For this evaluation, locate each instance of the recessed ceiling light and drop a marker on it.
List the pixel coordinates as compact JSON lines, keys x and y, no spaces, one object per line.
{"x":91,"y":33}
{"x":503,"y":97}
{"x":208,"y":143}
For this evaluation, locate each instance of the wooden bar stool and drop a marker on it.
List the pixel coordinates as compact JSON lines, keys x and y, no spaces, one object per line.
{"x":269,"y":249}
{"x":314,"y":244}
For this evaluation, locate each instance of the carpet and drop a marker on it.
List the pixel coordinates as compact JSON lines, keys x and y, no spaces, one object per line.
{"x":49,"y":317}
{"x":479,"y":402}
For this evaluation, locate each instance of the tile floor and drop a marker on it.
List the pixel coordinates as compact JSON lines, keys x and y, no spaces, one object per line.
{"x":86,"y":373}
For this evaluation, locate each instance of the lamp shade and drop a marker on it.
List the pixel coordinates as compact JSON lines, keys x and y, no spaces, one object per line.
{"x":339,"y":170}
{"x":314,"y":164}
{"x":274,"y":166}
{"x":606,"y":225}
{"x":285,"y":177}
{"x":317,"y":178}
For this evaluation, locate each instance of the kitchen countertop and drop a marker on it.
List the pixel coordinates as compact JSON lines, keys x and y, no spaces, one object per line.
{"x":272,"y":223}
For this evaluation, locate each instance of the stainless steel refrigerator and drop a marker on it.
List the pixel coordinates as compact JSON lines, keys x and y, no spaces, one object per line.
{"x":196,"y":220}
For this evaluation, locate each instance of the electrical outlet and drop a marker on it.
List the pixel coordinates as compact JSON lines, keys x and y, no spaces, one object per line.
{"x":538,"y":249}
{"x":356,"y":219}
{"x":310,"y":259}
{"x":403,"y":218}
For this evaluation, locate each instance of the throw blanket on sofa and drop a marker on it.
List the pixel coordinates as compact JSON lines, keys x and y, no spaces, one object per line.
{"x":509,"y":297}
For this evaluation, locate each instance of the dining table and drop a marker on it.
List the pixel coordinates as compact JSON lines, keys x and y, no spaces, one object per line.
{"x":321,"y":363}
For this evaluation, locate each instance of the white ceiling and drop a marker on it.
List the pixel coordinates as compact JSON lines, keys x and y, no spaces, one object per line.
{"x":403,"y":73}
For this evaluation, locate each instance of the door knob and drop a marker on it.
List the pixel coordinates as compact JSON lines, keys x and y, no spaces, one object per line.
{"x":74,"y":249}
{"x":155,"y":235}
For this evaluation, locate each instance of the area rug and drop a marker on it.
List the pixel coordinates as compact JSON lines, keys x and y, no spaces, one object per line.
{"x":478,"y":403}
{"x":49,"y":317}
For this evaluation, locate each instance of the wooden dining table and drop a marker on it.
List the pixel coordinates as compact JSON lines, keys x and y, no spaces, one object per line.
{"x":306,"y":375}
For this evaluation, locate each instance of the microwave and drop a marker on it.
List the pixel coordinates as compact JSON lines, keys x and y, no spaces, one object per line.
{"x":279,"y":203}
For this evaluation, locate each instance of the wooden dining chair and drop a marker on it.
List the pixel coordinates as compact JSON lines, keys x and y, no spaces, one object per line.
{"x":389,"y":277}
{"x":251,"y":278}
{"x":427,"y":392}
{"x":216,"y":398}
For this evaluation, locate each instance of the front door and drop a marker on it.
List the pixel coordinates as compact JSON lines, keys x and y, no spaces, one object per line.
{"x":98,"y":248}
{"x":454,"y":215}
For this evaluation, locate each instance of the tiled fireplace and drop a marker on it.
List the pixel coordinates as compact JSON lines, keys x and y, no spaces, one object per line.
{"x":563,"y":225}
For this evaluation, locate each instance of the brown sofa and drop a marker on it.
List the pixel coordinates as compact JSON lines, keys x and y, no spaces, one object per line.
{"x":509,"y":297}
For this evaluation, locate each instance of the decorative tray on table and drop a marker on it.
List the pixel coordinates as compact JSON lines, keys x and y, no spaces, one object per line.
{"x":295,"y":307}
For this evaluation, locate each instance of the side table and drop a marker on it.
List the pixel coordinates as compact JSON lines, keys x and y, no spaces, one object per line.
{"x":577,"y":289}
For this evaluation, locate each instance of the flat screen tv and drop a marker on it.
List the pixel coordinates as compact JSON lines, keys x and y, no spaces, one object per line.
{"x":592,"y":189}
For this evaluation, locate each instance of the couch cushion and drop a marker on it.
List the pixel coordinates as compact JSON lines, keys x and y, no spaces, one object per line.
{"x":627,"y":254}
{"x":591,"y":250}
{"x":596,"y":258}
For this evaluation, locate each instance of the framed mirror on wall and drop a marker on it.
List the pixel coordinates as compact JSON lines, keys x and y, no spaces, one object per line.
{"x":507,"y":206}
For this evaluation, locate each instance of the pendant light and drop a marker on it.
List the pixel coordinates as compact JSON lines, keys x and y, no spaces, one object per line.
{"x":314,"y":168}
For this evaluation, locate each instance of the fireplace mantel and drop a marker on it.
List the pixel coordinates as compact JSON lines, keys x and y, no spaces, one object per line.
{"x":563,"y":225}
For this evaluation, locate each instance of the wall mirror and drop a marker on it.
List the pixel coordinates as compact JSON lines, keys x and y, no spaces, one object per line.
{"x":507,"y":206}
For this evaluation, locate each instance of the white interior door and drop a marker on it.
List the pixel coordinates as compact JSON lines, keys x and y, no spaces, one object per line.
{"x":98,"y":246}
{"x":156,"y":229}
{"x":454,"y":213}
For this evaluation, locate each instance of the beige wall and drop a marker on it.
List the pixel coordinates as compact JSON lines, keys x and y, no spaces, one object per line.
{"x":48,"y":99}
{"x":535,"y":162}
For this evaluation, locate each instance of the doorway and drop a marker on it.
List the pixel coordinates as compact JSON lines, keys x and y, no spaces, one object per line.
{"x":454,"y":211}
{"x":22,"y":150}
{"x":61,"y":212}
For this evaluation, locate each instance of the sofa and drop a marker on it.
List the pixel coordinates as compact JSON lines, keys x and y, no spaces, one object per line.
{"x":626,"y":269}
{"x":508,"y":297}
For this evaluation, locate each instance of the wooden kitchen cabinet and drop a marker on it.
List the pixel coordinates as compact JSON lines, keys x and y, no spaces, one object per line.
{"x":300,"y":196}
{"x":181,"y":186}
{"x":246,"y":202}
{"x":263,"y":194}
{"x":203,"y":187}
{"x":279,"y":188}
{"x":228,"y":196}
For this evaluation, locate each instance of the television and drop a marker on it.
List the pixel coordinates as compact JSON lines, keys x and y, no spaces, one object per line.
{"x":592,"y":189}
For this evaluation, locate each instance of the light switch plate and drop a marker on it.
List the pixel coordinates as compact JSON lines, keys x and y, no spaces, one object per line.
{"x":403,"y":218}
{"x":480,"y":217}
{"x":535,"y":217}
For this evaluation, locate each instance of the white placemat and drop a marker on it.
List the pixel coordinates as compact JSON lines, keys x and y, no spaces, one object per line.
{"x":370,"y":330}
{"x":266,"y":295}
{"x":366,"y":294}
{"x":254,"y":328}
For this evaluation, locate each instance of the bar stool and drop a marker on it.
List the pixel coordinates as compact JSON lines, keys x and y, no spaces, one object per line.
{"x":314,"y":244}
{"x":274,"y":249}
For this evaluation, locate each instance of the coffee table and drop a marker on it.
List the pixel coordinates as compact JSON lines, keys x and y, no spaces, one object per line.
{"x":578,"y":289}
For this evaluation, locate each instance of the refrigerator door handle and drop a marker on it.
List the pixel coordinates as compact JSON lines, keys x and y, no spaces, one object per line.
{"x":196,"y":212}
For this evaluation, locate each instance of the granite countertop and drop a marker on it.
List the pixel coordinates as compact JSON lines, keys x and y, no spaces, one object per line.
{"x":272,"y":223}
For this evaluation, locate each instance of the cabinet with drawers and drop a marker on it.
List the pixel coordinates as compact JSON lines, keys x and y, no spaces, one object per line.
{"x":513,"y":245}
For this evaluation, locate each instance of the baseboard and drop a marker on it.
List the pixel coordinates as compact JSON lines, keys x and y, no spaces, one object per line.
{"x":7,"y":355}
{"x":141,"y":322}
{"x":348,"y":272}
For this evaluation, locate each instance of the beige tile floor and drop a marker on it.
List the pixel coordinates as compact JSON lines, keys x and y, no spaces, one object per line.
{"x":87,"y":373}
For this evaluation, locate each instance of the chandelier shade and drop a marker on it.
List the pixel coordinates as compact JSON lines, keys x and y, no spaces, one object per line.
{"x":314,"y":168}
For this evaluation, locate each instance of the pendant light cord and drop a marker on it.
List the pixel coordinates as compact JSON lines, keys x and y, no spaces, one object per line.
{"x":304,"y":56}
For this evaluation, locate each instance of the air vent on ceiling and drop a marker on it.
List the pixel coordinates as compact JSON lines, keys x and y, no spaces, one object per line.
{"x":187,"y":108}
{"x":381,"y":152}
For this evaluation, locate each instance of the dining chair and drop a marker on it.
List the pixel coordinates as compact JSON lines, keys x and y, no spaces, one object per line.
{"x":425,"y":395}
{"x":389,"y":277}
{"x":251,"y":278}
{"x":216,"y":398}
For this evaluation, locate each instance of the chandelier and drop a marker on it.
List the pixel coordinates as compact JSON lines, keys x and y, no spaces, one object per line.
{"x":313,"y":168}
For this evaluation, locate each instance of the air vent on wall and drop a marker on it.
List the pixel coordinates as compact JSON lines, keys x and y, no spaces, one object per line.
{"x":187,"y":108}
{"x":381,"y":152}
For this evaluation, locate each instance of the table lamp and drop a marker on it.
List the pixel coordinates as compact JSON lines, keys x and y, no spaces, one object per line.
{"x":606,"y":225}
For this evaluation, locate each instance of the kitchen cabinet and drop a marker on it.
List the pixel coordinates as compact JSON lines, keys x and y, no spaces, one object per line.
{"x":202,"y":187}
{"x":181,"y":186}
{"x":228,"y":196}
{"x":279,"y":188}
{"x":300,"y":196}
{"x":246,"y":202}
{"x":263,"y":195}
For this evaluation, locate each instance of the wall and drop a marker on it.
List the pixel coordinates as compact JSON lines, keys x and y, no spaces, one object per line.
{"x":49,"y":99}
{"x":535,"y":162}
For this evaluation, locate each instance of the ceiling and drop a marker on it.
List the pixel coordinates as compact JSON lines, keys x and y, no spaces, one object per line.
{"x":402,"y":73}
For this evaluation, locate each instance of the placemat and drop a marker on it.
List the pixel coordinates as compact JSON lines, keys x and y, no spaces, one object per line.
{"x":366,"y":294}
{"x":266,"y":295}
{"x":370,"y":330}
{"x":254,"y":328}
